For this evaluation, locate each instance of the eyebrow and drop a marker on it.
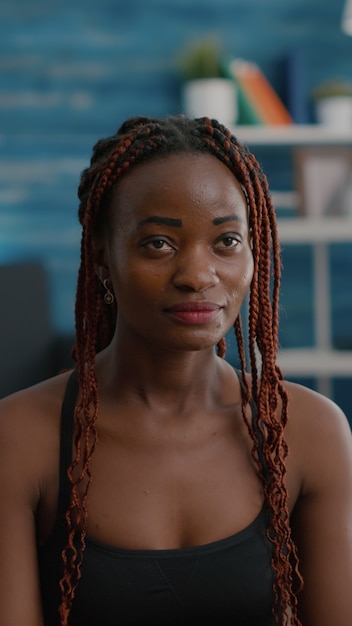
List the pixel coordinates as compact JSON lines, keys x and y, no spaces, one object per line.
{"x":177,"y":223}
{"x":164,"y":221}
{"x":227,"y":218}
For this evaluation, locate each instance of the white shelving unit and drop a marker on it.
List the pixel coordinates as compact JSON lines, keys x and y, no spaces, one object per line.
{"x":292,"y":135}
{"x":315,"y":230}
{"x":321,"y":362}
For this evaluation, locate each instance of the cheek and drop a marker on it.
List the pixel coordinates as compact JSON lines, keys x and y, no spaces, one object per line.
{"x":137,"y":283}
{"x":241,"y":277}
{"x":248,"y":273}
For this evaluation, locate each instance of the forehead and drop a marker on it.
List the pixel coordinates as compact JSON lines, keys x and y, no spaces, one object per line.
{"x":178,"y":183}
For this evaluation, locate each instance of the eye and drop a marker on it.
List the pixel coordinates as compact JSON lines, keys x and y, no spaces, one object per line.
{"x":228,"y":242}
{"x":157,"y":243}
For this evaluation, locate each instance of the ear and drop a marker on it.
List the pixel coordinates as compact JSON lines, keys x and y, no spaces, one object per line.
{"x":101,"y":264}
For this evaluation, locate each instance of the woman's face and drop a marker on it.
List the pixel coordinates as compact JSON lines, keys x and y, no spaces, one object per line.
{"x":178,"y":252}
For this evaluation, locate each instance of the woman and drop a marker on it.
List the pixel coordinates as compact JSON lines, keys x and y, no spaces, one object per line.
{"x":155,"y":485}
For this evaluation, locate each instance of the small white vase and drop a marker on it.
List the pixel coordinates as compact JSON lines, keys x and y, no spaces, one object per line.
{"x":334,"y":111}
{"x":211,"y":97}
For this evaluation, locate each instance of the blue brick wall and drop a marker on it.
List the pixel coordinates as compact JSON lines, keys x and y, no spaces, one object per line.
{"x":83,"y":66}
{"x":70,"y":72}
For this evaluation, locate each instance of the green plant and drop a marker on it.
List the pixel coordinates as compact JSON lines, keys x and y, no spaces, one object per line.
{"x":201,"y":59}
{"x":332,"y":88}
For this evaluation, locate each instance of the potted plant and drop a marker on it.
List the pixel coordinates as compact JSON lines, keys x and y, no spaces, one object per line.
{"x":206,"y":91}
{"x":333,"y":103}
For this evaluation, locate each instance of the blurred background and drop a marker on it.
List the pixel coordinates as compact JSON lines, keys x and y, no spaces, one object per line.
{"x":70,"y":73}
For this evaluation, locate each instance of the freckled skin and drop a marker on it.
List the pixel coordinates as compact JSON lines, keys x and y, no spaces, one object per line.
{"x":155,"y":266}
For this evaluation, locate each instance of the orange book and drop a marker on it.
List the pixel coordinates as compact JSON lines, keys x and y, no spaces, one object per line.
{"x":259,"y":93}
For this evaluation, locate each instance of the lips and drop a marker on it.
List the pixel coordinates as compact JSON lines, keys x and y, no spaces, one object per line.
{"x":194,"y":312}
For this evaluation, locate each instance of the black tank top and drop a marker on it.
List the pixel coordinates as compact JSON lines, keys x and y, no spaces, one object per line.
{"x":227,"y":582}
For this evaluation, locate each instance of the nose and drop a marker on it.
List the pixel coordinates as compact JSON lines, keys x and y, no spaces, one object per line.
{"x":196,"y":270}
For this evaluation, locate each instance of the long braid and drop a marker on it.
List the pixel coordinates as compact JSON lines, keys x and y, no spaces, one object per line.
{"x":263,"y":336}
{"x":138,"y":140}
{"x":271,"y":390}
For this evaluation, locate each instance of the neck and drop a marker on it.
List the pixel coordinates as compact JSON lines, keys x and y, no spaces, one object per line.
{"x":157,"y":378}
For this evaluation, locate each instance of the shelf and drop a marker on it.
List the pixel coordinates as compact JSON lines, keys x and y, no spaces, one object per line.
{"x":315,"y":362}
{"x":292,"y":135}
{"x":315,"y":230}
{"x":321,"y":362}
{"x":286,"y":199}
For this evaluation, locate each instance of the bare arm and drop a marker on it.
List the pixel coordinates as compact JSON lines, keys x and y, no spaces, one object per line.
{"x":322,"y":517}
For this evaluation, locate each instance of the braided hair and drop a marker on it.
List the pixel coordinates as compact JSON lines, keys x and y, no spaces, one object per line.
{"x":138,"y":140}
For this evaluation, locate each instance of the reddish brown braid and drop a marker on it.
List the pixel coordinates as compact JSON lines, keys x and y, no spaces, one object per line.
{"x":263,"y":337}
{"x":138,"y":140}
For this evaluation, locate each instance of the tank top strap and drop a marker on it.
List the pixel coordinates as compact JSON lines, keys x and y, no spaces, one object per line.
{"x":66,"y":437}
{"x":256,"y":428}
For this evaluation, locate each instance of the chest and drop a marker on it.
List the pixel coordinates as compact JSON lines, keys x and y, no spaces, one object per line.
{"x":168,"y":492}
{"x":227,"y":582}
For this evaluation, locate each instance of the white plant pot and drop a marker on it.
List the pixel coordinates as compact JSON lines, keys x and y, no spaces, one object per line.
{"x":211,"y":97}
{"x":334,"y":111}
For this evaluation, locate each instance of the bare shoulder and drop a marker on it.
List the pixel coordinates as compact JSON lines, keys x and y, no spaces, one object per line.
{"x":29,"y":428}
{"x":318,"y":434}
{"x":310,"y":406}
{"x":320,"y":454}
{"x":29,"y":453}
{"x":34,"y":405}
{"x":315,"y":418}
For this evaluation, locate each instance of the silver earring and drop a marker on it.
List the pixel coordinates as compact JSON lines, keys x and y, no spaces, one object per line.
{"x":108,"y":296}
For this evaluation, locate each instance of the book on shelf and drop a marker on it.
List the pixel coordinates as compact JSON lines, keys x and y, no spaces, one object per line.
{"x":295,"y":76}
{"x":258,"y":101}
